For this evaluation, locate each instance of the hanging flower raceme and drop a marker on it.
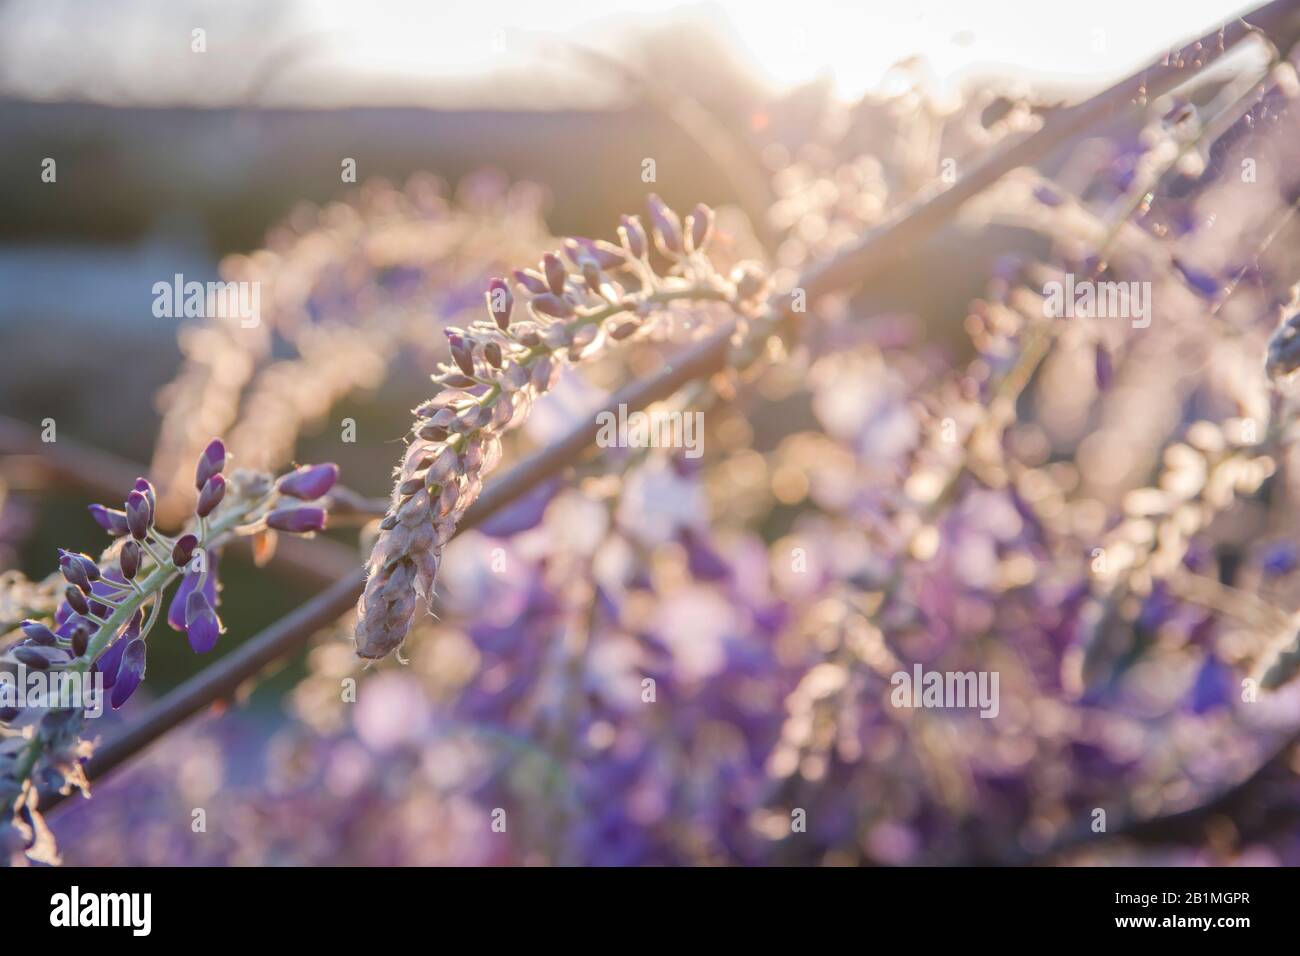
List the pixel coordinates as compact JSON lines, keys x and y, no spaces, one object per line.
{"x":568,"y":309}
{"x":99,"y":633}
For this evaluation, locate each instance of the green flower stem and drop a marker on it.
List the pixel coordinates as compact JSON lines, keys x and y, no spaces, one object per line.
{"x":702,"y":292}
{"x":153,"y":586}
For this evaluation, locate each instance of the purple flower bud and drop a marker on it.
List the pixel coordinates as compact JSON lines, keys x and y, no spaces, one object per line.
{"x":76,"y":600}
{"x":533,"y":283}
{"x":551,"y":305}
{"x":38,"y":633}
{"x":211,"y":462}
{"x":87,"y":563}
{"x":80,"y":639}
{"x":73,"y":572}
{"x":462,"y":356}
{"x":1104,"y":367}
{"x":700,"y":225}
{"x":142,"y":485}
{"x":297,"y":520}
{"x":499,"y":302}
{"x":129,"y":673}
{"x":138,"y":515}
{"x":309,"y":482}
{"x":202,"y":626}
{"x":492,"y":352}
{"x":184,"y":549}
{"x":213,"y":491}
{"x":603,"y":254}
{"x":633,"y":236}
{"x":37,"y":658}
{"x":555,"y":273}
{"x":128,"y":559}
{"x":666,"y":226}
{"x":110,"y":519}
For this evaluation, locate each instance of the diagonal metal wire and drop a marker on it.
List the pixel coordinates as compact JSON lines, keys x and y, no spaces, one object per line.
{"x":911,"y":225}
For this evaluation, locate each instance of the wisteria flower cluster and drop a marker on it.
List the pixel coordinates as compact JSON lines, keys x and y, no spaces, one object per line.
{"x":574,"y":304}
{"x":347,"y":290}
{"x":109,"y":606}
{"x":655,"y":659}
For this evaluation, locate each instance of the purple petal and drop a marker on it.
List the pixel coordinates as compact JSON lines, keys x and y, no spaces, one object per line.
{"x":1201,"y":282}
{"x":524,"y":513}
{"x":176,"y":612}
{"x":110,"y":661}
{"x":202,"y":626}
{"x":704,"y":563}
{"x":1280,"y":559}
{"x":129,"y":673}
{"x":310,"y":481}
{"x":1214,"y":687}
{"x":110,"y":519}
{"x":297,"y":520}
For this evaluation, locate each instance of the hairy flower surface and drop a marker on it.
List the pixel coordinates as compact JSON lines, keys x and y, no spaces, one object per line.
{"x":576,"y":304}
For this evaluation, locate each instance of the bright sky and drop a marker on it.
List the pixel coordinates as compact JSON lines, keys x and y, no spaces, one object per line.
{"x":366,"y":49}
{"x":792,"y":40}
